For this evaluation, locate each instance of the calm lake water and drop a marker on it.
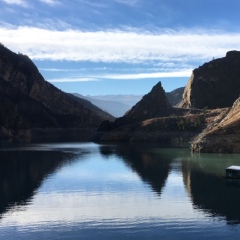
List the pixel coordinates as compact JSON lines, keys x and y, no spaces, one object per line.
{"x":128,"y":191}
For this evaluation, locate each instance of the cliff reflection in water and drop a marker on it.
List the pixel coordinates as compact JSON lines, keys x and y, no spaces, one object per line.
{"x":22,"y":172}
{"x":203,"y":176}
{"x":212,"y":193}
{"x":152,"y":168}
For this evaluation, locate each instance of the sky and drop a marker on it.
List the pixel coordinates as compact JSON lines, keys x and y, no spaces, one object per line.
{"x":108,"y":47}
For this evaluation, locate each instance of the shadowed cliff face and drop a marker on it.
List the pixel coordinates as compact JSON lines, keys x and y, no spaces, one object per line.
{"x":153,"y":104}
{"x":214,"y":84}
{"x":175,"y":96}
{"x":28,"y":101}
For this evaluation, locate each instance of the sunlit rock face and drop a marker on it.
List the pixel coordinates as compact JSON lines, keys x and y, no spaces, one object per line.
{"x":222,"y":135}
{"x":215,"y":84}
{"x":29,"y":102}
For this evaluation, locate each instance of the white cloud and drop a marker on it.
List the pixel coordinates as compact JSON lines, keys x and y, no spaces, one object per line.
{"x":16,"y":2}
{"x":119,"y":46}
{"x":73,"y":79}
{"x":92,"y":4}
{"x":128,"y":2}
{"x":137,"y":76}
{"x":184,"y":73}
{"x":50,"y":2}
{"x":56,"y":69}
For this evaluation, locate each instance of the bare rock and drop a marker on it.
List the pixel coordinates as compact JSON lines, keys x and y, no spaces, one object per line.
{"x":29,"y":102}
{"x":215,"y":84}
{"x":222,"y":135}
{"x":154,"y":104}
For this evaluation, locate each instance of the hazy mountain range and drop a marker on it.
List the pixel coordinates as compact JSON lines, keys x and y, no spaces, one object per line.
{"x":118,"y":105}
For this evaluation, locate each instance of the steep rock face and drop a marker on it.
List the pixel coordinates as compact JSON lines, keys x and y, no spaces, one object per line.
{"x":153,"y":104}
{"x":215,"y":84}
{"x":175,"y":96}
{"x":153,"y":119}
{"x":222,"y":135}
{"x":29,"y":102}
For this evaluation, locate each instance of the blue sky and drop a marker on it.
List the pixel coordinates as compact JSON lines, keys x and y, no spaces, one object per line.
{"x":102,"y":47}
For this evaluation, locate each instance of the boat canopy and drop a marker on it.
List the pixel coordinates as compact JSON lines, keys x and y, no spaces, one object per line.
{"x":236,"y":168}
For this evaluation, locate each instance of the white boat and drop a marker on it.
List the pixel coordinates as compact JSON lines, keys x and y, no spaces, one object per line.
{"x":233,"y":172}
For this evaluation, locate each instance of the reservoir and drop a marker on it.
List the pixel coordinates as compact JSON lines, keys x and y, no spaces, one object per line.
{"x":116,"y":191}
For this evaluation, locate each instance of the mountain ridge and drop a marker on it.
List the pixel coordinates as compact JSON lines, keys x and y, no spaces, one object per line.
{"x":117,"y":105}
{"x":29,"y":102}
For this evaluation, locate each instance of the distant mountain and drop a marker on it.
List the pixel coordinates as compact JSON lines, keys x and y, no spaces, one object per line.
{"x":33,"y":109}
{"x":128,"y":99}
{"x":118,"y":105}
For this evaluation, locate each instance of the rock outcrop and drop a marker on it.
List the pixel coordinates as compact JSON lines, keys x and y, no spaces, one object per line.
{"x":152,"y":105}
{"x":32,"y":107}
{"x":222,"y":135}
{"x":215,"y":84}
{"x":175,"y":96}
{"x":153,"y":119}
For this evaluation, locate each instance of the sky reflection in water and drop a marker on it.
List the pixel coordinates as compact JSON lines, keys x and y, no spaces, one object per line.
{"x":90,"y":191}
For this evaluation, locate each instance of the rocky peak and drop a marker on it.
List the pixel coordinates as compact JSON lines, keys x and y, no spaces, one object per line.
{"x":153,"y":104}
{"x":215,"y":84}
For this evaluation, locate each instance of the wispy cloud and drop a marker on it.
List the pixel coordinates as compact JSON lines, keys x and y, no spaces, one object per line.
{"x":73,"y":79}
{"x":16,"y":2}
{"x":58,"y":70}
{"x":92,"y":4}
{"x":50,"y":2}
{"x":119,"y":46}
{"x":128,"y":2}
{"x":136,"y":76}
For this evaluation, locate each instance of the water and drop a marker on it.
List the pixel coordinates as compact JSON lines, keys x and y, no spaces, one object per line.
{"x":126,"y":191}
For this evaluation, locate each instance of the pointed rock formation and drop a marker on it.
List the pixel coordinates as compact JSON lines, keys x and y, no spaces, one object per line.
{"x":152,"y":105}
{"x":215,"y":84}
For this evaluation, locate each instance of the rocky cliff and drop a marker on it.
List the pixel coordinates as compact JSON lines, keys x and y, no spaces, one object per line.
{"x":215,"y":84}
{"x":154,"y":104}
{"x":175,"y":96}
{"x":153,"y":119}
{"x":33,"y":108}
{"x":222,"y":134}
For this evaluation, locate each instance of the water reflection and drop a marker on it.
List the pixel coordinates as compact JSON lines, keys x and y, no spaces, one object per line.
{"x":210,"y":191}
{"x":203,"y":176}
{"x":23,"y":171}
{"x":106,"y":191}
{"x":151,"y":167}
